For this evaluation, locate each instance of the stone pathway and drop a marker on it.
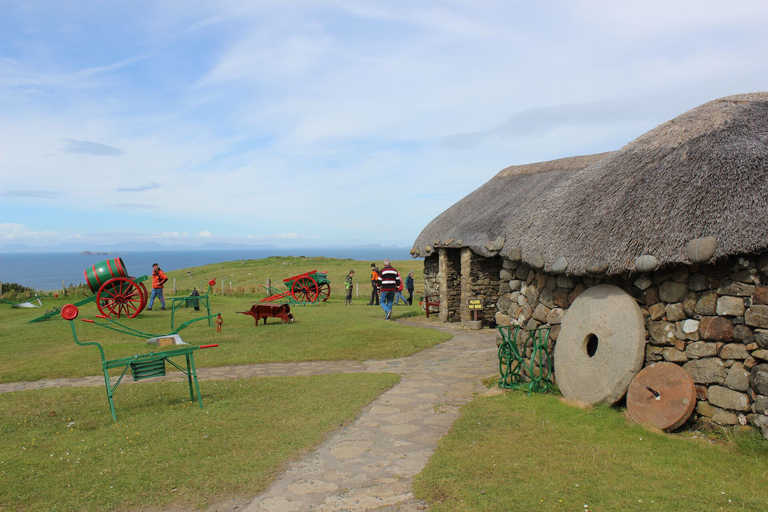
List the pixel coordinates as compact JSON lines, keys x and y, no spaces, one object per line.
{"x":369,"y":464}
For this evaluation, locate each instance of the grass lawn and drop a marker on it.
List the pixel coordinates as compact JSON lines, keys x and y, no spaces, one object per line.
{"x":537,"y":453}
{"x":326,"y":331}
{"x":60,"y":450}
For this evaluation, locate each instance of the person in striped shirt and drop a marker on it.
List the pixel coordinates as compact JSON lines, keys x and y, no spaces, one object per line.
{"x":389,"y":283}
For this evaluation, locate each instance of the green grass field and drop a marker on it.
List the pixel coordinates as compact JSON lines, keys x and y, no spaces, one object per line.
{"x":60,"y":450}
{"x":519,"y":452}
{"x":325,"y":331}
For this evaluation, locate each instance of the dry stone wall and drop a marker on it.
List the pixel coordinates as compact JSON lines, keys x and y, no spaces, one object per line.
{"x":710,"y":319}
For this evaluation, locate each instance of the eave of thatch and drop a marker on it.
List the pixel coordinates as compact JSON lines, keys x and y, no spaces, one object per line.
{"x":702,"y":174}
{"x":503,"y":207}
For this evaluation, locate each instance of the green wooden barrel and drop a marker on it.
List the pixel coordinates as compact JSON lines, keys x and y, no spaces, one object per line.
{"x":103,"y":271}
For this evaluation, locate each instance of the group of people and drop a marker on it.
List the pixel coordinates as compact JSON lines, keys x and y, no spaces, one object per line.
{"x":386,"y":288}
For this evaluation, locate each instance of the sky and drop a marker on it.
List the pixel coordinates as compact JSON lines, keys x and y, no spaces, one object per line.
{"x":327,"y":122}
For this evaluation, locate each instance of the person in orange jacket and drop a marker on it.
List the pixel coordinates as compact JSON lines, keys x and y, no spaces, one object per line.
{"x":158,"y":280}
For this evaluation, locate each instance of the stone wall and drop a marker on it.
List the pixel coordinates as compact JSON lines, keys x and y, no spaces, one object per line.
{"x":449,"y":278}
{"x":480,"y":279}
{"x":710,"y":319}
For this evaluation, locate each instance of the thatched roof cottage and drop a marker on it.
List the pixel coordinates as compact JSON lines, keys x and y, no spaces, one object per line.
{"x":677,"y":219}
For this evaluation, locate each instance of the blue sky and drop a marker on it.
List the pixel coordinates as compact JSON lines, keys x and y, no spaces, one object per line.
{"x":323,"y":122}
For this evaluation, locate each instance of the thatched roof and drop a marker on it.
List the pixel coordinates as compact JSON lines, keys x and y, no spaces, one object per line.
{"x":702,"y":174}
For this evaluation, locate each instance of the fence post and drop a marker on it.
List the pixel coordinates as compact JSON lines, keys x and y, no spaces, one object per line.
{"x":63,"y":289}
{"x":222,"y":287}
{"x":174,"y":286}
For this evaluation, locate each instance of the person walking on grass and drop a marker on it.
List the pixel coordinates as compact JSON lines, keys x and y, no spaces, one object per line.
{"x":399,"y":294}
{"x":158,"y":280}
{"x":374,"y":285}
{"x":389,"y":282}
{"x":409,"y":287}
{"x":348,"y":287}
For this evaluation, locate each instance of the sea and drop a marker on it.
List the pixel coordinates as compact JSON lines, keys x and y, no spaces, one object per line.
{"x":47,"y":271}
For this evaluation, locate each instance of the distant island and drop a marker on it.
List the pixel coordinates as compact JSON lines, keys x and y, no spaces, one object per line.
{"x":96,"y":253}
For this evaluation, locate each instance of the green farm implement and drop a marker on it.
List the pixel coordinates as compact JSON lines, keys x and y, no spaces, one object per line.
{"x":115,"y":292}
{"x":144,"y":366}
{"x":307,"y":288}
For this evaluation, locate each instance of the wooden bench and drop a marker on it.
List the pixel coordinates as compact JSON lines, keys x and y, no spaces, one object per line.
{"x":430,"y":301}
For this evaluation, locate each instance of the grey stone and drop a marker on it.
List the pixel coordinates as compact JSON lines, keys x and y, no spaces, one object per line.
{"x":689,"y":303}
{"x":706,"y":371}
{"x":508,"y":263}
{"x":559,"y":266}
{"x":722,"y":417}
{"x":761,"y":404}
{"x":758,"y":379}
{"x":504,"y":288}
{"x":744,"y":334}
{"x":555,"y":316}
{"x":515,"y":284}
{"x":503,"y":303}
{"x":673,"y":355}
{"x":734,"y":351}
{"x":700,"y":250}
{"x":565,"y":282}
{"x":761,"y":338}
{"x":502,"y":319}
{"x":672,"y":291}
{"x":531,"y":292}
{"x":681,"y":275}
{"x":657,"y":311}
{"x":598,"y":267}
{"x":515,"y":255}
{"x":745,"y":276}
{"x":698,"y":283}
{"x":646,"y":263}
{"x":541,"y":312}
{"x":536,"y":260}
{"x":496,"y":245}
{"x":705,"y":409}
{"x":643,"y":282}
{"x":757,"y":316}
{"x":690,"y":326}
{"x":547,"y":297}
{"x":761,"y":354}
{"x":701,"y":349}
{"x":506,"y":274}
{"x":662,"y":332}
{"x":707,"y":303}
{"x":675,"y":312}
{"x":735,"y":288}
{"x":522,"y":272}
{"x":730,"y":306}
{"x":738,"y":378}
{"x":726,"y":398}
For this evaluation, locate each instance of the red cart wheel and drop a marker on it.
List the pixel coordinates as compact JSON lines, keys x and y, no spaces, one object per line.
{"x":324,"y":292}
{"x":120,"y":296}
{"x":144,"y":294}
{"x":304,"y":289}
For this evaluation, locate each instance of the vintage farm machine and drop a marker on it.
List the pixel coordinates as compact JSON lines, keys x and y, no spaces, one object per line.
{"x":307,"y":288}
{"x":145,"y":366}
{"x":115,"y":292}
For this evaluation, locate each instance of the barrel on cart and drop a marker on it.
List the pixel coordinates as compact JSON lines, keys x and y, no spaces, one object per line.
{"x":117,"y":293}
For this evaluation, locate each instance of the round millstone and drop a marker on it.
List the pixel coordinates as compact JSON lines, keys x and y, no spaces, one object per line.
{"x":601,"y":346}
{"x":662,"y":395}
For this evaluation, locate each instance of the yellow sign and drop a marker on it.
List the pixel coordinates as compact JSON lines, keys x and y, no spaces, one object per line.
{"x":475,"y":303}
